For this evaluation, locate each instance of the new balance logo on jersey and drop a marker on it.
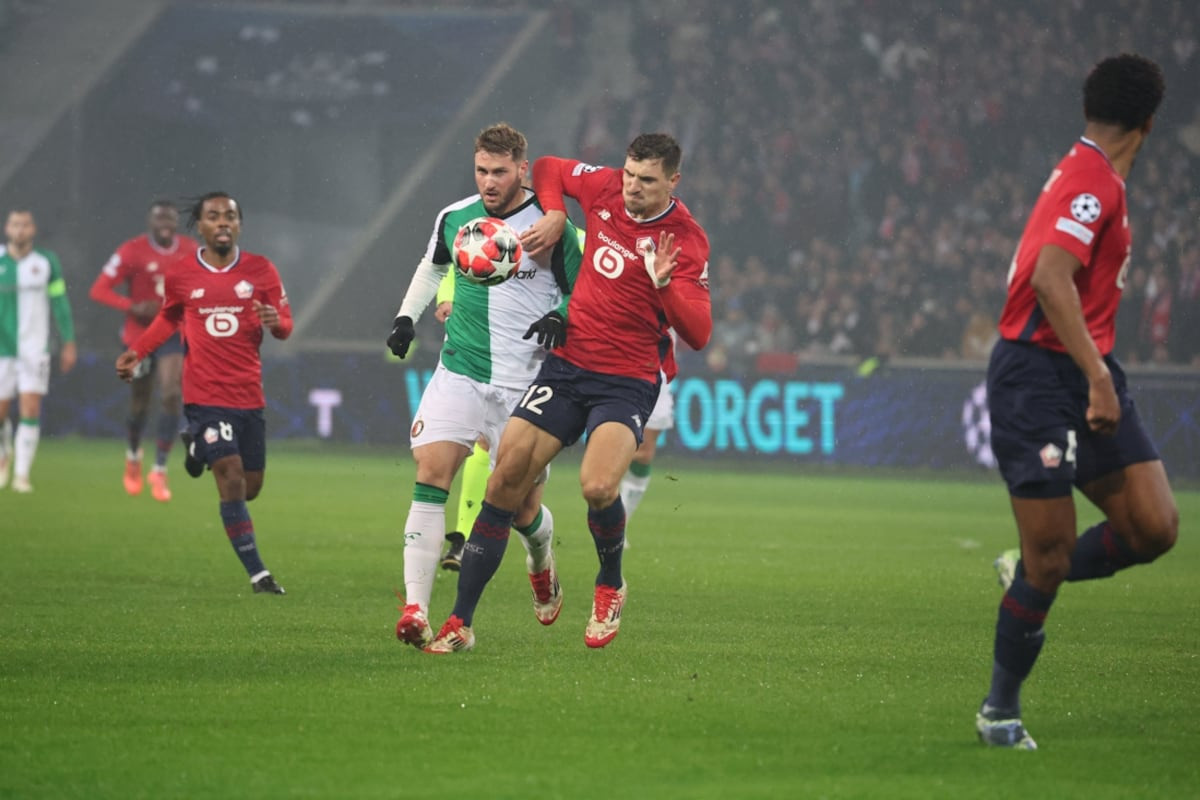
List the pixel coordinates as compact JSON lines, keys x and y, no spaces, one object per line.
{"x":196,"y":294}
{"x":604,"y":214}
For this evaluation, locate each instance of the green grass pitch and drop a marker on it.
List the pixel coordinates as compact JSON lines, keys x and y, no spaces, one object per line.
{"x":788,"y":634}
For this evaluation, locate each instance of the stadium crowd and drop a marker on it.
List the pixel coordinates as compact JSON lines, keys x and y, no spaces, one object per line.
{"x":864,"y":170}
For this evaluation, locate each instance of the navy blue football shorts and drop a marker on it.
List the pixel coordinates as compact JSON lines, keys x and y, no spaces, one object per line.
{"x":568,"y":401}
{"x":146,"y":366}
{"x":1037,"y":401}
{"x":171,"y":346}
{"x":219,"y":432}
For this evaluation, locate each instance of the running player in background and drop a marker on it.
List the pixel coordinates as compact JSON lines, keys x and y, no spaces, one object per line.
{"x":1061,"y":414}
{"x":489,"y":356}
{"x":646,"y":269}
{"x":140,"y":265}
{"x":224,"y":299}
{"x":32,"y":290}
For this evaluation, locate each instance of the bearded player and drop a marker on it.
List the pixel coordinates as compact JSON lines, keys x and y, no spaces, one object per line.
{"x":488,"y":358}
{"x":645,"y":268}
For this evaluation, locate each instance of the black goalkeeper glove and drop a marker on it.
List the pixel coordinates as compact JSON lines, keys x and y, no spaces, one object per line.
{"x":551,"y":330}
{"x":401,"y":337}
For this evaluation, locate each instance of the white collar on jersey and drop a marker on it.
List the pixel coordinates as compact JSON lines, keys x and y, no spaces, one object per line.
{"x":1088,"y":142}
{"x":237,"y":256}
{"x":655,"y":218}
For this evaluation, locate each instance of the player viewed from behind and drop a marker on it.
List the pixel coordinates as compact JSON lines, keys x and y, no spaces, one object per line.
{"x":1061,"y":414}
{"x":224,"y":298}
{"x":32,"y":290}
{"x":493,"y":348}
{"x":140,"y":265}
{"x":644,"y":269}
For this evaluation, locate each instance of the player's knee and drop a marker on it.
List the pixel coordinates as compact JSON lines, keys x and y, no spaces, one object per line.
{"x":599,"y":494}
{"x":1046,"y":567}
{"x":1157,"y":534}
{"x":254,"y":485}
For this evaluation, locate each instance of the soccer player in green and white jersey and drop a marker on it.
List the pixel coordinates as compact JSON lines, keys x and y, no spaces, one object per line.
{"x":496,"y":339}
{"x":32,"y":290}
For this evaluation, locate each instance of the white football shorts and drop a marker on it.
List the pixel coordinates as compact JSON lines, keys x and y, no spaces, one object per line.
{"x":662,"y":418}
{"x":24,"y":375}
{"x":455,"y":408}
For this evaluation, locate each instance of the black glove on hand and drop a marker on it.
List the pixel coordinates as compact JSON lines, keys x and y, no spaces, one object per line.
{"x":551,"y":330}
{"x":401,"y":337}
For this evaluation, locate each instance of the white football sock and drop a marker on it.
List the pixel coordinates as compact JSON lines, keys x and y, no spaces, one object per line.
{"x":424,"y":534}
{"x":633,"y":488}
{"x":26,"y":448}
{"x":539,"y":544}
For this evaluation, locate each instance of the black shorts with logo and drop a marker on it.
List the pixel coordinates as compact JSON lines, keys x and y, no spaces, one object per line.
{"x":1037,"y":402}
{"x":568,"y":401}
{"x":218,"y":432}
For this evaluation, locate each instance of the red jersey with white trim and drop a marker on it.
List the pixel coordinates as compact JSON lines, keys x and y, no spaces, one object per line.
{"x":221,"y":329}
{"x":617,"y":319}
{"x":139,"y":264}
{"x":1082,"y":210}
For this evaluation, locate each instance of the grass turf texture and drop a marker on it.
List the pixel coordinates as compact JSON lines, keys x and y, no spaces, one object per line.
{"x":786,"y":635}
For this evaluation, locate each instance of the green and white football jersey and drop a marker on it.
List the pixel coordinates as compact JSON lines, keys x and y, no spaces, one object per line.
{"x":32,"y":289}
{"x":483,"y":334}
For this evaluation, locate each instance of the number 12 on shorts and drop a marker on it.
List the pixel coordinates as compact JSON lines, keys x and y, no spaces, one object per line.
{"x":535,"y":397}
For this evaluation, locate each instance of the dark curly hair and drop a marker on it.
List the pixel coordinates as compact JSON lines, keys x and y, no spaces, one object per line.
{"x":1123,"y":90}
{"x":196,"y":206}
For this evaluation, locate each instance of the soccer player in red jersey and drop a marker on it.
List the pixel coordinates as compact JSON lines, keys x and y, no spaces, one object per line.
{"x":224,"y":299}
{"x":140,"y":265}
{"x":645,"y":269}
{"x":1061,"y":414}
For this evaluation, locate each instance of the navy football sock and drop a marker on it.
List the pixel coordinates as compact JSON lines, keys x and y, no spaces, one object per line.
{"x":134,"y":425}
{"x":1099,"y":552}
{"x":1019,"y":639}
{"x":168,"y":427}
{"x":240,"y":531}
{"x":608,"y":531}
{"x":482,"y":555}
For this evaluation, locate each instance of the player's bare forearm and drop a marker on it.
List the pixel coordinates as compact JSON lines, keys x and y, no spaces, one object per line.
{"x":67,"y":357}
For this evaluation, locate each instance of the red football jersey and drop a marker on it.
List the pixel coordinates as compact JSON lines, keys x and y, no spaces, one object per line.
{"x":222,"y":366}
{"x":1082,"y":210}
{"x":617,"y":319}
{"x":140,"y":265}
